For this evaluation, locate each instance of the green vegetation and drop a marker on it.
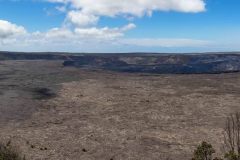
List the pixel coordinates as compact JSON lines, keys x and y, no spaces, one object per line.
{"x":205,"y":150}
{"x":7,"y":152}
{"x":231,"y":156}
{"x":232,"y":137}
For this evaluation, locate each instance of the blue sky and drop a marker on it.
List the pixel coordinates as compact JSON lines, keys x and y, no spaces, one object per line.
{"x":120,"y":26}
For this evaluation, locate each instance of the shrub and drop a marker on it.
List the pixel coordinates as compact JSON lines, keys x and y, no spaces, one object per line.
{"x":231,"y":156}
{"x":232,"y":137}
{"x":7,"y":152}
{"x":203,"y":152}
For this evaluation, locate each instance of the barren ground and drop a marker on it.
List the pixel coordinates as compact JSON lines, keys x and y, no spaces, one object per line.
{"x":56,"y":113}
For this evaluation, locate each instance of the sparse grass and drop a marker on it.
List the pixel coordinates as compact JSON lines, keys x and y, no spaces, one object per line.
{"x":7,"y":152}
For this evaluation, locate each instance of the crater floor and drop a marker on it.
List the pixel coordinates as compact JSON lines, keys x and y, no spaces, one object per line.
{"x":53,"y":112}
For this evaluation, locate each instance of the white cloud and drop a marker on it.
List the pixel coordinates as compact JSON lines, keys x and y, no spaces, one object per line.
{"x":58,"y":33}
{"x":98,"y":33}
{"x":83,"y":33}
{"x":157,"y":42}
{"x":67,"y":37}
{"x":133,"y":7}
{"x":8,"y":29}
{"x":61,"y":8}
{"x":103,"y":33}
{"x":81,"y":19}
{"x":88,"y":12}
{"x":88,"y":39}
{"x":93,"y":40}
{"x":128,"y":27}
{"x":84,"y":14}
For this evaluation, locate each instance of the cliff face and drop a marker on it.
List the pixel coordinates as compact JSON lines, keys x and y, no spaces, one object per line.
{"x":144,"y":62}
{"x":167,"y":64}
{"x":31,"y":56}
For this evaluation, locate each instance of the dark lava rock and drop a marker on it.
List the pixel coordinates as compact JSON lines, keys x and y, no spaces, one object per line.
{"x":84,"y":150}
{"x":43,"y":93}
{"x":208,"y":63}
{"x":162,"y":64}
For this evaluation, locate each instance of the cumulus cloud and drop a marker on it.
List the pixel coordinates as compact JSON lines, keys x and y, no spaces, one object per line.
{"x":133,"y":7}
{"x":81,"y":19}
{"x":88,"y":39}
{"x":67,"y":36}
{"x":88,"y":12}
{"x":8,"y":29}
{"x":80,"y":31}
{"x":128,"y":27}
{"x":80,"y":34}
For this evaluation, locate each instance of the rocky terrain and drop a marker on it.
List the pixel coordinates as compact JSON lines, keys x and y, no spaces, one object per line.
{"x":53,"y":112}
{"x":142,"y":62}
